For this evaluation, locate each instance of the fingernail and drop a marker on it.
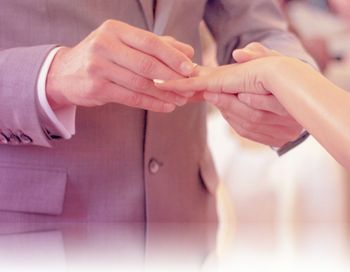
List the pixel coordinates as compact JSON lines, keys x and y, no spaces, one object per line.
{"x":211,"y":97}
{"x":187,"y":68}
{"x":158,"y":81}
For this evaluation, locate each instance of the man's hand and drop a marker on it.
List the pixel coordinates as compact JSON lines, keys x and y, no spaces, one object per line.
{"x":117,"y":63}
{"x":260,"y":118}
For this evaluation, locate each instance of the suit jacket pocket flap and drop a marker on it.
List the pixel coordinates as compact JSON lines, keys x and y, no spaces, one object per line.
{"x":32,"y":190}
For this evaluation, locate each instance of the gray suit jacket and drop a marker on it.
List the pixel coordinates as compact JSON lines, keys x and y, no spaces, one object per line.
{"x":123,"y":164}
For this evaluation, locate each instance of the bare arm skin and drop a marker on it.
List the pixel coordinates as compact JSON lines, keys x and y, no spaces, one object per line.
{"x":319,"y":105}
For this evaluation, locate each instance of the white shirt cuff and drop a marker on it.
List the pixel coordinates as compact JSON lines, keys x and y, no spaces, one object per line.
{"x":63,"y":119}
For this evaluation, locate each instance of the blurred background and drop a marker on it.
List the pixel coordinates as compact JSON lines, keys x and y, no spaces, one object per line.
{"x":305,"y":185}
{"x":288,"y":213}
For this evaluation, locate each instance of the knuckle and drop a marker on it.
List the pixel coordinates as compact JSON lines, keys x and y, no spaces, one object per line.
{"x":98,"y":86}
{"x":139,"y":83}
{"x":169,"y":96}
{"x":97,"y":45}
{"x":256,"y":117}
{"x":135,"y":100}
{"x":150,"y":41}
{"x":92,"y":89}
{"x":92,"y":66}
{"x":146,"y":64}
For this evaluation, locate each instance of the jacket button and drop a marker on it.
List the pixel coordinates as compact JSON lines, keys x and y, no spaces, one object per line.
{"x":154,"y":166}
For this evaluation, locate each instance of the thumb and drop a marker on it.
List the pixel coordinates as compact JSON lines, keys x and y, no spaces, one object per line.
{"x":253,"y":51}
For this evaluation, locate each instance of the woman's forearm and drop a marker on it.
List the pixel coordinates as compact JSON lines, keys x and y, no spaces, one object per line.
{"x":316,"y":103}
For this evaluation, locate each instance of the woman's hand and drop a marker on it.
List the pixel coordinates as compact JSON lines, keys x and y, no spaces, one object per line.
{"x":241,"y":92}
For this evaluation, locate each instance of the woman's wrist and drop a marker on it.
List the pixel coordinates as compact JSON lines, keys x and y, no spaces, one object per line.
{"x":279,"y":74}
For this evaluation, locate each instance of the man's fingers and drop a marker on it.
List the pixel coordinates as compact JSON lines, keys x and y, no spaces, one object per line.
{"x":137,"y":83}
{"x":152,"y":45}
{"x":222,"y":101}
{"x":258,"y":125}
{"x":182,"y":47}
{"x":143,"y":64}
{"x":184,"y":85}
{"x":121,"y":95}
{"x":263,"y":102}
{"x":256,"y":137}
{"x":230,"y":103}
{"x":278,"y":132}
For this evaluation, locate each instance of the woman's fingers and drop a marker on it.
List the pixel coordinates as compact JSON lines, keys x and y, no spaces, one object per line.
{"x":231,"y":79}
{"x":139,"y":84}
{"x":203,"y":79}
{"x":121,"y":95}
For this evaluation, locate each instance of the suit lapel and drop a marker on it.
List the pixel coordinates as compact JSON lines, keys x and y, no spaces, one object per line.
{"x":164,"y":10}
{"x":147,"y":7}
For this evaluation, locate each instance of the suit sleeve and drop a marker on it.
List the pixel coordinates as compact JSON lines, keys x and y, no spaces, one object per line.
{"x":236,"y":23}
{"x":20,"y":121}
